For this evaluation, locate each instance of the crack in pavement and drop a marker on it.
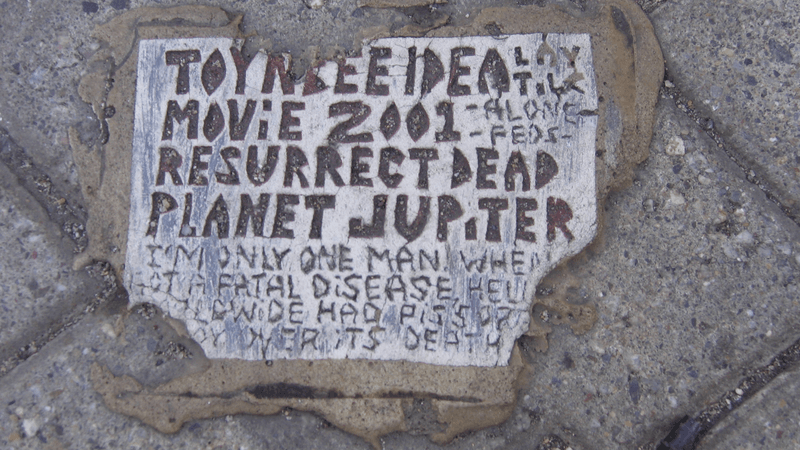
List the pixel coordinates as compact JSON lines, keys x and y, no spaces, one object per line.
{"x":648,"y":6}
{"x":110,"y":290}
{"x":707,"y":124}
{"x":686,"y":432}
{"x":690,"y":430}
{"x":72,"y":222}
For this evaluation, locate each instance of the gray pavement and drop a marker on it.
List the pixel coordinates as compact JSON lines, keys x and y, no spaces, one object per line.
{"x":770,"y":420}
{"x":694,"y":275}
{"x":737,"y":62}
{"x":39,"y":290}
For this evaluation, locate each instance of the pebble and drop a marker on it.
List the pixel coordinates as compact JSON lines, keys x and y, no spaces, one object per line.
{"x":675,"y":146}
{"x":729,"y":251}
{"x":745,"y":237}
{"x":785,"y":248}
{"x":676,"y":199}
{"x":109,"y":330}
{"x":30,"y":426}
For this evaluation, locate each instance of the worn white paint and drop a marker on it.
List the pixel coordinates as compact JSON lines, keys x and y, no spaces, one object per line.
{"x":336,"y":297}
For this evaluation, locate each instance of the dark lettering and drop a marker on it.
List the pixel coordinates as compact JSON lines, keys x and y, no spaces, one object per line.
{"x":259,"y":175}
{"x":248,"y":211}
{"x":493,"y":206}
{"x":162,"y":204}
{"x":390,"y":155}
{"x":293,"y":311}
{"x":186,"y":229}
{"x":242,"y":62}
{"x":518,"y":57}
{"x":276,"y":64}
{"x":213,"y":72}
{"x":360,"y":230}
{"x":277,"y":286}
{"x":214,"y":122}
{"x":494,"y":66}
{"x":344,"y":264}
{"x":238,"y":128}
{"x":374,"y":341}
{"x":357,"y":167}
{"x":263,"y":125}
{"x":274,"y":315}
{"x":288,"y":121}
{"x":523,"y":78}
{"x":196,"y":178}
{"x":433,"y":261}
{"x":457,"y":70}
{"x":328,"y":160}
{"x":353,"y":333}
{"x":374,"y":71}
{"x":485,"y":169}
{"x":295,"y":161}
{"x":368,"y":286}
{"x":546,"y":169}
{"x":423,"y":155}
{"x":442,"y":291}
{"x":322,"y":310}
{"x":417,"y":122}
{"x":432,"y":71}
{"x":413,"y":230}
{"x":371,"y":252}
{"x":341,"y":87}
{"x":447,"y":134}
{"x":174,"y":112}
{"x":516,"y":166}
{"x":471,"y":229}
{"x":182,"y":59}
{"x":320,"y":285}
{"x":523,"y":221}
{"x":309,"y":337}
{"x":449,"y":210}
{"x":411,"y":71}
{"x":314,"y":84}
{"x":348,"y":310}
{"x":280,"y":256}
{"x":408,"y":343}
{"x":232,"y":177}
{"x":358,"y":114}
{"x":168,"y":162}
{"x":390,"y":121}
{"x":372,"y":314}
{"x":319,"y":203}
{"x":558,"y":214}
{"x":218,"y":215}
{"x":429,"y":339}
{"x":284,"y":215}
{"x":407,"y":311}
{"x":404,"y":256}
{"x":462,"y":172}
